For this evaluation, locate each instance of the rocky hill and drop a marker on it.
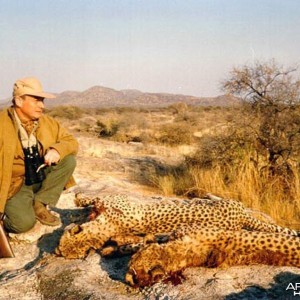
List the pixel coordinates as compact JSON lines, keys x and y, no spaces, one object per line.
{"x":99,"y":96}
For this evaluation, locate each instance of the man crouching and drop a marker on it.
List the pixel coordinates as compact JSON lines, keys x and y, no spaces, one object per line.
{"x":37,"y":159}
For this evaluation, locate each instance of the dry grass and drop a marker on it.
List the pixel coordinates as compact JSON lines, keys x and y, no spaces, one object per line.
{"x":179,"y":126}
{"x":175,"y":182}
{"x":274,"y":196}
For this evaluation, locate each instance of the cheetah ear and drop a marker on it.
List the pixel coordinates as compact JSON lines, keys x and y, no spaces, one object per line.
{"x":76,"y":229}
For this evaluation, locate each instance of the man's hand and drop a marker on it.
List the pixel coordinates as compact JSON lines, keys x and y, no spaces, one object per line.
{"x":52,"y":157}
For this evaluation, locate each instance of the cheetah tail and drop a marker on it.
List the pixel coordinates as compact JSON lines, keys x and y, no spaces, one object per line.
{"x":254,"y":224}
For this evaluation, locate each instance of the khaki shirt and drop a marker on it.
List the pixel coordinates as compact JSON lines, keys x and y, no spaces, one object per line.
{"x":18,"y":171}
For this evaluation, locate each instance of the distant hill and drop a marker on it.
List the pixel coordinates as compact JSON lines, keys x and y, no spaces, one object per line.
{"x":99,"y":96}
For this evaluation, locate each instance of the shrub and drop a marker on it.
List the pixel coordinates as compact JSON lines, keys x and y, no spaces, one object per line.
{"x":175,"y":134}
{"x":107,"y":128}
{"x":272,"y":102}
{"x":66,"y":112}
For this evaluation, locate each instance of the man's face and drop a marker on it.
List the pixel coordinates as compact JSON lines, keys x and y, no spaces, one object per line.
{"x":30,"y":107}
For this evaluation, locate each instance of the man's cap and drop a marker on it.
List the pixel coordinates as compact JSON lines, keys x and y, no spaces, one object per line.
{"x":30,"y":86}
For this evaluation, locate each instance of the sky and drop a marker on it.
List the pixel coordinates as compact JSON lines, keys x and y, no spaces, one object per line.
{"x":172,"y":46}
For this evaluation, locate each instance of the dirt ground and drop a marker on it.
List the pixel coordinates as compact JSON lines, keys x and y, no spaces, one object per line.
{"x":106,"y":167}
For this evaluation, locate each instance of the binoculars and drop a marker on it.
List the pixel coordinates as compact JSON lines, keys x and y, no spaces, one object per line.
{"x":32,"y":162}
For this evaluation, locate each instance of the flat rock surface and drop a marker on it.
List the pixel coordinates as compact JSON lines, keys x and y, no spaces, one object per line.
{"x":104,"y":168}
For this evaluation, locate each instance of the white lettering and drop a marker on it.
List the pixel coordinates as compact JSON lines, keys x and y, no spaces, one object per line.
{"x":290,"y":287}
{"x":296,"y":293}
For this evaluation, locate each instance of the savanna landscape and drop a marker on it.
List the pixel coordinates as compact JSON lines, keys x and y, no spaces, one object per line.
{"x":244,"y":146}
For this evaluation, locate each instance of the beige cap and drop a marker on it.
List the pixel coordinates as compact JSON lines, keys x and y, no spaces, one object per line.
{"x":30,"y":86}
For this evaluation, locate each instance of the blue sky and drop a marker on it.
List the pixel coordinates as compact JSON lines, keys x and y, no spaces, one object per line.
{"x":174,"y":46}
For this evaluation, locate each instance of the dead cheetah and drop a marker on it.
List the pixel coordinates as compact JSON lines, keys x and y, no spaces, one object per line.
{"x":118,"y":215}
{"x":210,"y":247}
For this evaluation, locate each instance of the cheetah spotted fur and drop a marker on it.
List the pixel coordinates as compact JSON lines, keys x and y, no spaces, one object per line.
{"x":198,"y":232}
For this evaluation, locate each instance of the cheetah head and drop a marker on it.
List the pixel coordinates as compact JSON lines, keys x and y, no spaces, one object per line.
{"x":78,"y":240}
{"x":146,"y":267}
{"x":71,"y":244}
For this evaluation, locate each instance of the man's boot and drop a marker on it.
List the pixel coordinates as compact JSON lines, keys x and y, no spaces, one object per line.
{"x":44,"y":216}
